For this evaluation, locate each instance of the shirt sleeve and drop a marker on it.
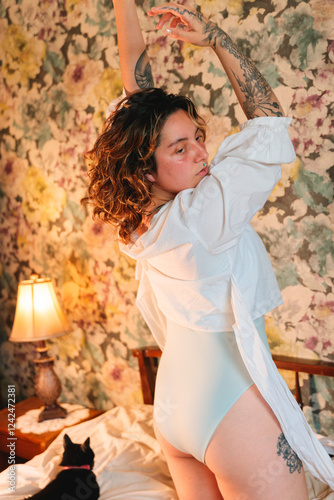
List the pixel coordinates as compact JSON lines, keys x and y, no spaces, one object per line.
{"x":243,"y":173}
{"x":112,"y":106}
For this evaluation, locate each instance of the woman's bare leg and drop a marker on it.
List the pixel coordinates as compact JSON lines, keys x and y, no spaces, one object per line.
{"x":192,"y":479}
{"x":245,"y":454}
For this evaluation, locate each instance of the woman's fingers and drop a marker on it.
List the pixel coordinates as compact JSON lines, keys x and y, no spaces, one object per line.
{"x":164,"y":19}
{"x":179,"y":11}
{"x":176,"y":22}
{"x":185,"y":34}
{"x":185,"y":23}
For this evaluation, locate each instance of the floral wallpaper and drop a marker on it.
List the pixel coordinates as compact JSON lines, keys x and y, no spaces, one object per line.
{"x":59,"y":71}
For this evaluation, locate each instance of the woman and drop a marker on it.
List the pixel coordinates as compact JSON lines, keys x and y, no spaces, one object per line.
{"x":226,"y":421}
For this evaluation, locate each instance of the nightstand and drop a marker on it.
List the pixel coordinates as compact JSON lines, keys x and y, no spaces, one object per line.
{"x":28,"y":445}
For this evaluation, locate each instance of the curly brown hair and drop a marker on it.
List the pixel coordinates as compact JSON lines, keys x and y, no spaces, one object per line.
{"x":123,"y":155}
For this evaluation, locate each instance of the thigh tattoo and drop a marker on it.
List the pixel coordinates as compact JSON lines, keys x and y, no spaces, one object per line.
{"x":289,"y":456}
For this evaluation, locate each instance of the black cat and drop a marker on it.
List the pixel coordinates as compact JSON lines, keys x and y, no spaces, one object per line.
{"x":76,"y":481}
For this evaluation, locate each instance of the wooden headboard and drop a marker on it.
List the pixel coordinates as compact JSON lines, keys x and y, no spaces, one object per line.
{"x":148,"y":360}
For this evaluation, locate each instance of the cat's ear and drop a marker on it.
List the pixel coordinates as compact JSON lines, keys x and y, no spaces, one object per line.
{"x":67,"y":440}
{"x":85,"y":445}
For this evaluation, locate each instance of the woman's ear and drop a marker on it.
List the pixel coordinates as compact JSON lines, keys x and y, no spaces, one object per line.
{"x":150,"y":177}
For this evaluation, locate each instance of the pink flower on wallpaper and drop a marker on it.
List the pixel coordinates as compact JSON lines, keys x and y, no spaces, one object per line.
{"x":119,"y":380}
{"x":309,"y":109}
{"x":12,"y":172}
{"x":116,"y":373}
{"x":311,"y":343}
{"x":80,"y":77}
{"x":41,"y":22}
{"x":326,"y":344}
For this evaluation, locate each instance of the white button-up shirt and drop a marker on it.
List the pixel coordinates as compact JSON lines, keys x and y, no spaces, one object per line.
{"x":197,"y":242}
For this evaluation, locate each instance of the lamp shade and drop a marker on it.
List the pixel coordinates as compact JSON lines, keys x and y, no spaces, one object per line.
{"x":38,"y":315}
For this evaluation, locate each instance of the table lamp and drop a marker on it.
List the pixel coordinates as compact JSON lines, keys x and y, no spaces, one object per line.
{"x":38,"y":317}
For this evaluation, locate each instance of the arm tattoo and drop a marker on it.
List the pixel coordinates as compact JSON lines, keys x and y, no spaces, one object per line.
{"x":198,"y":14}
{"x":289,"y":456}
{"x":143,"y":72}
{"x":258,"y":93}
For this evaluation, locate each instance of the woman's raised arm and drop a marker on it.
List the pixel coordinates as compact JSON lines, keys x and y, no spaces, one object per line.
{"x":253,"y":92}
{"x":135,"y":65}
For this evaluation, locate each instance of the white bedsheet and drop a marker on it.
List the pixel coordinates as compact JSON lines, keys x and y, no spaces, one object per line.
{"x":129,"y":463}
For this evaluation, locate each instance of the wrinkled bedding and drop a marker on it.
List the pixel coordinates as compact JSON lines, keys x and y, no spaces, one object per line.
{"x":129,"y":463}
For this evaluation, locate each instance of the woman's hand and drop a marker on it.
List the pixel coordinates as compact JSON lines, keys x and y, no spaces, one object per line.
{"x":186,"y":24}
{"x":253,"y":92}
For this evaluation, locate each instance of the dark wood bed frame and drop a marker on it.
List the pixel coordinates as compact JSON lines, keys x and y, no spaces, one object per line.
{"x":148,"y":359}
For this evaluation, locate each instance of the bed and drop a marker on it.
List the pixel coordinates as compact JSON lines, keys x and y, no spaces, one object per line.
{"x":129,"y":463}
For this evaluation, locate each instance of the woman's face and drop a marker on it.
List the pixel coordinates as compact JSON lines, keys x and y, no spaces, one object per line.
{"x":180,"y":157}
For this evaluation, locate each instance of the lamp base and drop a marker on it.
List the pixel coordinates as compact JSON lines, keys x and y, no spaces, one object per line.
{"x":52,"y":411}
{"x":47,"y":385}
